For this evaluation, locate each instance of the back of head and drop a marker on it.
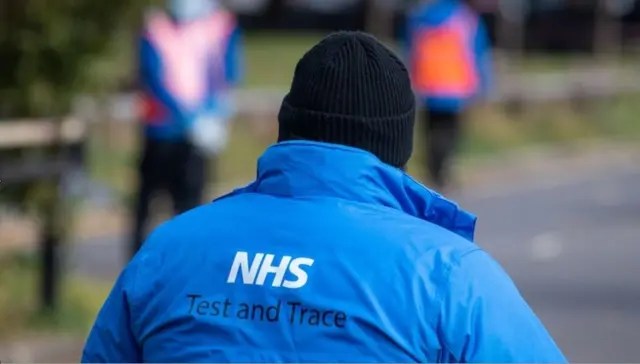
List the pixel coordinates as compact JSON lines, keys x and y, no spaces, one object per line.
{"x":351,"y":90}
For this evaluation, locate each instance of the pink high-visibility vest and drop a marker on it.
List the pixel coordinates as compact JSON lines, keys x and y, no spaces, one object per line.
{"x":187,"y":52}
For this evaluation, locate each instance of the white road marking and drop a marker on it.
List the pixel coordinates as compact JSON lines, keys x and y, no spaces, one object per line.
{"x":546,"y":247}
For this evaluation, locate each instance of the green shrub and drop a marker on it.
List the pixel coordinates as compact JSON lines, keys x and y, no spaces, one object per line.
{"x":50,"y":51}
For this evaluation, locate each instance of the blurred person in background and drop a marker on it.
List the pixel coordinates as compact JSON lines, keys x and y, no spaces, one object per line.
{"x":449,"y":59}
{"x":333,"y":254}
{"x":190,"y":58}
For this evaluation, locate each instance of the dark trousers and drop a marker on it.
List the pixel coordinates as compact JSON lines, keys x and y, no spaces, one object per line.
{"x":443,"y":134}
{"x":173,"y":167}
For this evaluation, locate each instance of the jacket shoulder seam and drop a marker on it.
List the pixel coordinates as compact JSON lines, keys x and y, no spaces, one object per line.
{"x":446,"y":276}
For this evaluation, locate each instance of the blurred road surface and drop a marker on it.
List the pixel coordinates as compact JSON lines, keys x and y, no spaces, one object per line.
{"x":573,"y":248}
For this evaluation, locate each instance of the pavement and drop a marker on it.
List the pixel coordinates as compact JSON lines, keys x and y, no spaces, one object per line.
{"x":571,"y":242}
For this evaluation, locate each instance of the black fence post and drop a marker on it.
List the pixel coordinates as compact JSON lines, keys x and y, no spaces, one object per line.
{"x":48,"y":169}
{"x":51,"y":231}
{"x":50,"y":269}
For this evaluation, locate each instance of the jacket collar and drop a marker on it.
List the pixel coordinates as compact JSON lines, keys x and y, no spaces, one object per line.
{"x":312,"y":169}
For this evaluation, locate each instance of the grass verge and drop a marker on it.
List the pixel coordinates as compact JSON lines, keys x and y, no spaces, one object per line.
{"x":20,"y":316}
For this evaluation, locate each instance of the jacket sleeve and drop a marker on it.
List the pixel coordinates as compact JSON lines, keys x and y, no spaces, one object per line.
{"x":406,"y":41}
{"x":483,"y":54}
{"x":233,"y":72}
{"x":234,"y":58}
{"x":111,"y":339}
{"x":486,"y":320}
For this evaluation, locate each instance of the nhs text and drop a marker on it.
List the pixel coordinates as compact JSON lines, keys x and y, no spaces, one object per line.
{"x":256,"y":270}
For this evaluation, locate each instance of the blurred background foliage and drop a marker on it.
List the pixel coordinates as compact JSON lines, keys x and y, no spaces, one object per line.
{"x":48,"y":55}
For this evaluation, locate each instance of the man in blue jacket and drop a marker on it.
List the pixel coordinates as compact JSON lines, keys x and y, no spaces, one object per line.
{"x":333,"y":253}
{"x":189,"y":62}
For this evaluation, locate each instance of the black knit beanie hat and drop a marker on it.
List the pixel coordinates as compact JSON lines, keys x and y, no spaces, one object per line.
{"x":352,"y":90}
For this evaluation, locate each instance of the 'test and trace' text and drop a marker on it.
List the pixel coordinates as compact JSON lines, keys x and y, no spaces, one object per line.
{"x":294,"y":313}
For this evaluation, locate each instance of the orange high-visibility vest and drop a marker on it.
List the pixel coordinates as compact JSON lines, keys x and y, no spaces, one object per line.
{"x":442,"y":59}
